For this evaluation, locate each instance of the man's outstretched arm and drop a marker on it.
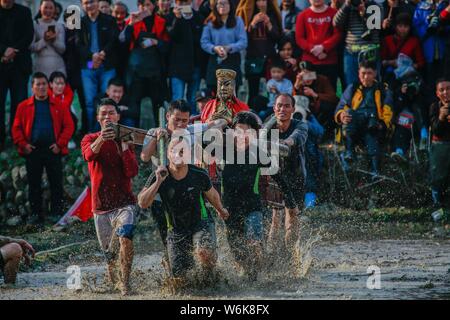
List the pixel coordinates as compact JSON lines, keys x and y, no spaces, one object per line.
{"x":147,"y":195}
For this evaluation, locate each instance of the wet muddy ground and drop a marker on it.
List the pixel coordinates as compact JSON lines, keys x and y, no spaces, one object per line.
{"x":335,"y":261}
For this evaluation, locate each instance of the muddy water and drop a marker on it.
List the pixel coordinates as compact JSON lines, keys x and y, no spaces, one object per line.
{"x":410,"y":269}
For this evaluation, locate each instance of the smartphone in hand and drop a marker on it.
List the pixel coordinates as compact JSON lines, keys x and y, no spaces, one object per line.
{"x":147,"y":42}
{"x":309,"y":76}
{"x":187,"y":10}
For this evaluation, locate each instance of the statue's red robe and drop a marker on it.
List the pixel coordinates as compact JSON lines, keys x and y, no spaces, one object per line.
{"x":234,"y":104}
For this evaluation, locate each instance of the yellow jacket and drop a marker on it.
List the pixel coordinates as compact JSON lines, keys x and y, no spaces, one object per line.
{"x":353,"y":97}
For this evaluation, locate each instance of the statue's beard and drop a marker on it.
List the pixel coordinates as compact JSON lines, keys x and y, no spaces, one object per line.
{"x":225,"y":94}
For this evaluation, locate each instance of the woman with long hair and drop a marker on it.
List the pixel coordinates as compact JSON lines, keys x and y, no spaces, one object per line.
{"x":262,"y":20}
{"x":48,"y":44}
{"x":223,"y":38}
{"x":286,"y":53}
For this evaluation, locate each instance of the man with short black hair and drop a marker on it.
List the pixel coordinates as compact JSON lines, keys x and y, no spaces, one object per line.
{"x":177,"y":118}
{"x":190,"y":227}
{"x":292,"y":173}
{"x":112,"y":164}
{"x":365,"y":113}
{"x":240,"y":193}
{"x":440,"y":147}
{"x":41,"y":131}
{"x":116,"y":92}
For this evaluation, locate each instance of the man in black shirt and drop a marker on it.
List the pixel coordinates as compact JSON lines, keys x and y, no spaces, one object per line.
{"x":191,"y":231}
{"x":240,"y":189}
{"x":16,"y":34}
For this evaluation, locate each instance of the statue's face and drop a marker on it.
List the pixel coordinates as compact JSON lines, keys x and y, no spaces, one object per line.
{"x":225,"y":89}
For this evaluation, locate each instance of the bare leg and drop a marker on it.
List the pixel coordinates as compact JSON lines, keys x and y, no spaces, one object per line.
{"x":254,"y":259}
{"x":126,"y":261}
{"x":255,"y":250}
{"x":207,"y":258}
{"x":12,"y":253}
{"x":292,"y":228}
{"x":275,"y":230}
{"x":111,"y":274}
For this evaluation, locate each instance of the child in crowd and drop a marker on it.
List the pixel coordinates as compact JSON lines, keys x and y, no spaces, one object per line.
{"x":276,"y":85}
{"x":286,"y":47}
{"x":60,"y":91}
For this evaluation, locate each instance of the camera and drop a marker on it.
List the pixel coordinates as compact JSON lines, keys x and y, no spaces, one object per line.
{"x":413,"y":89}
{"x":372,"y":122}
{"x":414,"y":83}
{"x":431,"y":27}
{"x":361,"y":119}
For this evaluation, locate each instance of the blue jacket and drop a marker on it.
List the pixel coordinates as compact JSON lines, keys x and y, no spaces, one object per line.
{"x":429,"y":41}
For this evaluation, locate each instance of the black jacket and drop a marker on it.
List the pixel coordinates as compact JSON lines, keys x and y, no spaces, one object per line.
{"x":185,"y":49}
{"x":108,"y":33}
{"x":16,"y":31}
{"x":439,"y":129}
{"x":72,"y":58}
{"x":262,"y":42}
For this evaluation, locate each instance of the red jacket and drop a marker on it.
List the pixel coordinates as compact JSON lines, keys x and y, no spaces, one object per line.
{"x":159,"y":29}
{"x":445,"y":15}
{"x":65,"y":99}
{"x":111,"y":171}
{"x":312,"y":29}
{"x":236,"y":105}
{"x":23,"y":125}
{"x":392,"y":47}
